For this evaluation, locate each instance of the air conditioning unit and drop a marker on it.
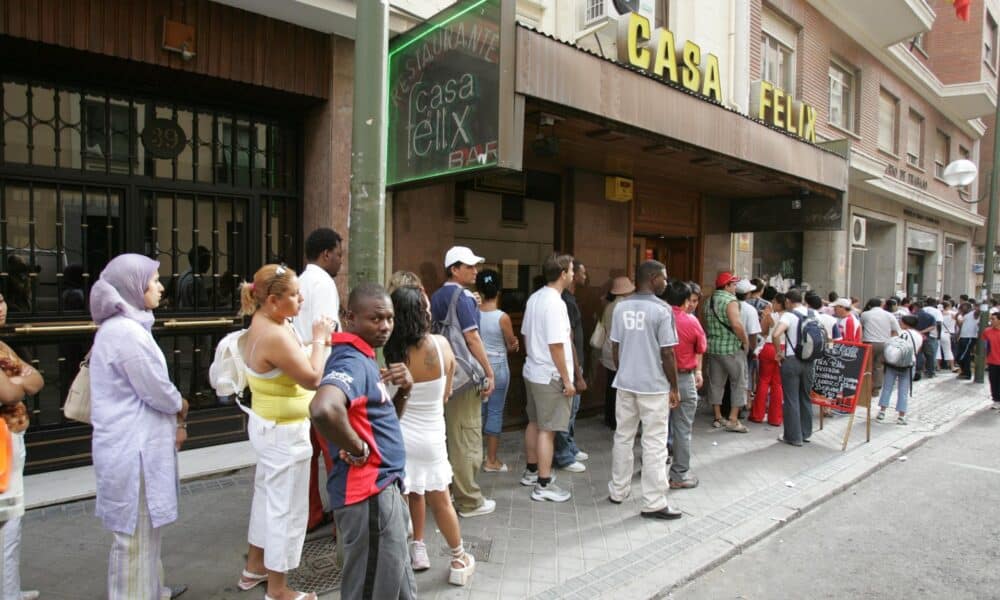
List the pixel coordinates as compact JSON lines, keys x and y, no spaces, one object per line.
{"x":859,"y":231}
{"x":598,"y":12}
{"x":949,"y":250}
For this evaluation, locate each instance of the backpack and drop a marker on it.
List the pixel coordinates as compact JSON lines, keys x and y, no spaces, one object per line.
{"x":468,"y":371}
{"x":812,"y":338}
{"x":900,"y":352}
{"x":227,"y":374}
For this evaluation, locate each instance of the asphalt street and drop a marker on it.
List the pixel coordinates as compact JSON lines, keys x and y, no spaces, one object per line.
{"x":923,"y":527}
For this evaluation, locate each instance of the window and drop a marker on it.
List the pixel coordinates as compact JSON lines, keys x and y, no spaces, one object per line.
{"x":777,"y":50}
{"x":942,"y":153}
{"x":512,"y":209}
{"x":842,"y":87}
{"x":990,"y":43}
{"x":888,"y":122}
{"x":915,"y":140}
{"x":595,"y":10}
{"x":663,"y":13}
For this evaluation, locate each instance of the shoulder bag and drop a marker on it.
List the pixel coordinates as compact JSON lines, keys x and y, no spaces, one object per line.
{"x":77,"y":406}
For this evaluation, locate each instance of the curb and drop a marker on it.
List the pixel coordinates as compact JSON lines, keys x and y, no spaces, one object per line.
{"x":708,"y":555}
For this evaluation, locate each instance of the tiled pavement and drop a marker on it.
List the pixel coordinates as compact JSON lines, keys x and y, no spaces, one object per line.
{"x":584,"y":548}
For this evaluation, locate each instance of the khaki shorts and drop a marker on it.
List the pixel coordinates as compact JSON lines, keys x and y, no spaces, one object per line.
{"x":547,"y":407}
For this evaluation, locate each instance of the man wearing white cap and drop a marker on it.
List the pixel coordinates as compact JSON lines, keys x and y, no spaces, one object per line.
{"x":463,"y":411}
{"x":850,"y":326}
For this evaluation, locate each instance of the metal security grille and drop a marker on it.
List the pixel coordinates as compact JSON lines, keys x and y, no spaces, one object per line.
{"x":86,"y":175}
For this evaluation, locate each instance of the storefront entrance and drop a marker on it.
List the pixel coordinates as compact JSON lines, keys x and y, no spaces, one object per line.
{"x":676,"y":253}
{"x":87,"y":174}
{"x":915,"y":274}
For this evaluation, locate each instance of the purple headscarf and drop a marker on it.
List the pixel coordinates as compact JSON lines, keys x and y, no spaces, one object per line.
{"x":121,"y":288}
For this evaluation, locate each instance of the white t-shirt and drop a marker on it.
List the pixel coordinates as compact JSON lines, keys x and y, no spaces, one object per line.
{"x":948,"y":323}
{"x":792,"y":328}
{"x":750,"y":319}
{"x":319,"y":298}
{"x":828,"y":322}
{"x":970,"y":326}
{"x":878,"y":325}
{"x":545,"y":322}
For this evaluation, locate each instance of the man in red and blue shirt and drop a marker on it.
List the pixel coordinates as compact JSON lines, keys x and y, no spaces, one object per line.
{"x":353,"y":411}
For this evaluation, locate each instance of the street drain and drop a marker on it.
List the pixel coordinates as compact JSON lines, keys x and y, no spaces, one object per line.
{"x":318,"y":571}
{"x":476,"y":546}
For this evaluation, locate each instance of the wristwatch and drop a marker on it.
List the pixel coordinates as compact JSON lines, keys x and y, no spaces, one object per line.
{"x":364,"y":453}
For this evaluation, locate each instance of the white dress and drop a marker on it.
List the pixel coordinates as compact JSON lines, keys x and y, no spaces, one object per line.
{"x":427,"y":466}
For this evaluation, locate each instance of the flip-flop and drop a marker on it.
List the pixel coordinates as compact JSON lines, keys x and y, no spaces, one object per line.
{"x":740,"y":428}
{"x":299,"y":596}
{"x":503,"y":468}
{"x":251,"y":580}
{"x":716,"y":423}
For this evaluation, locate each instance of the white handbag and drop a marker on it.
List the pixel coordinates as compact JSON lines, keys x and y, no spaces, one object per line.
{"x":599,"y":336}
{"x":77,"y":406}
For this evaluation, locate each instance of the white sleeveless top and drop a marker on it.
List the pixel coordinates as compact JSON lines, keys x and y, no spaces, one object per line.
{"x":427,"y":466}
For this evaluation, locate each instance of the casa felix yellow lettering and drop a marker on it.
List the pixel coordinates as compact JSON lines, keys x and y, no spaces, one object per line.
{"x":778,"y":112}
{"x":764,"y":99}
{"x":691,"y":76}
{"x":666,"y":55}
{"x":789,"y":121}
{"x":633,"y":32}
{"x":713,"y":85}
{"x":641,"y":47}
{"x":807,"y":123}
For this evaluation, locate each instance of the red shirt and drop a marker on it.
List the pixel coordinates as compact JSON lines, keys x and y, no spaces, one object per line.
{"x":691,"y":340}
{"x":850,"y":329}
{"x":992,"y":337}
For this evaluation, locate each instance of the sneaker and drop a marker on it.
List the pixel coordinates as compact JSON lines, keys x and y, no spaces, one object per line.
{"x":685,"y":484}
{"x":551,"y":493}
{"x":418,"y":556}
{"x":531,"y":478}
{"x":485,"y":508}
{"x":575,"y":467}
{"x":901,"y":420}
{"x":880,"y":416}
{"x":581,"y":456}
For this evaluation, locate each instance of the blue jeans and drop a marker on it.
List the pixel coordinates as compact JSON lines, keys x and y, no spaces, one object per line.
{"x":927,"y":359}
{"x":493,"y":407}
{"x":901,"y":376}
{"x":565,"y":450}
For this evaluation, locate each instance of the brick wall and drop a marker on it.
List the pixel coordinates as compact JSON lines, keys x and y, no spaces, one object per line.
{"x":955,"y":47}
{"x":819,"y":43}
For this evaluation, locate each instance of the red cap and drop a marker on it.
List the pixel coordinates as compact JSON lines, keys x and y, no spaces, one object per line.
{"x":725,"y":279}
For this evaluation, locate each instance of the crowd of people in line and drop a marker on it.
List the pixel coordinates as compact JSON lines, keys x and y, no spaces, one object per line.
{"x":420,"y":426}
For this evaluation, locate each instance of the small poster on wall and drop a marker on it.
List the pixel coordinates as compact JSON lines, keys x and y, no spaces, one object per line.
{"x":510,"y":273}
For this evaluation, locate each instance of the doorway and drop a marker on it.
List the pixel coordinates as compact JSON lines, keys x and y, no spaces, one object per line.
{"x":676,"y":253}
{"x":914,"y":274}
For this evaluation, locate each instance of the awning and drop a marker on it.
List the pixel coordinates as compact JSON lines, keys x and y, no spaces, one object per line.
{"x":562,"y":74}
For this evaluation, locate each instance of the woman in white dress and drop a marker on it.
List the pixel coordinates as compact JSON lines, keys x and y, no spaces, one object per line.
{"x":428,"y":472}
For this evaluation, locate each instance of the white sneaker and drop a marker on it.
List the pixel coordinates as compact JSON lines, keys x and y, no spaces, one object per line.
{"x":551,"y":493}
{"x":531,"y":478}
{"x":575,"y":467}
{"x":418,"y":556}
{"x":581,"y":456}
{"x":485,"y":508}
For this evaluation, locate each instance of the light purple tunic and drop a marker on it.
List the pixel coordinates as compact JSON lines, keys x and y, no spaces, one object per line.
{"x":133,"y":405}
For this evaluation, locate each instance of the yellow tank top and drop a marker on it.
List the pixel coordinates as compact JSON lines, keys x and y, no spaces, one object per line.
{"x":279,"y":398}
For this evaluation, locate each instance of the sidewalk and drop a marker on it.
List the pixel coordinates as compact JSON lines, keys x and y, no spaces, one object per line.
{"x":585,"y":548}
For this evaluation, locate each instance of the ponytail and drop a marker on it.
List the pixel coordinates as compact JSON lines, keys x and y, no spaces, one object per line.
{"x":248,"y":303}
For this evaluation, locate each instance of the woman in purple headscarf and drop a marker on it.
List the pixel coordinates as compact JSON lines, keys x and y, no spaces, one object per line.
{"x":138,"y":418}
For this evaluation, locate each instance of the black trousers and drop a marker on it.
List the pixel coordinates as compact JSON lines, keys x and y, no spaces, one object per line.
{"x":610,"y":397}
{"x":994,"y":373}
{"x":964,"y":354}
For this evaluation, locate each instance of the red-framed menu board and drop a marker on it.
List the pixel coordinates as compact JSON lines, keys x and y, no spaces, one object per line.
{"x":838,"y":376}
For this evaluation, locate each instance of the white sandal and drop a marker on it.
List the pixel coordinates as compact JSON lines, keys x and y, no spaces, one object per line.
{"x":300,"y":596}
{"x":249,"y":581}
{"x":461,"y":576}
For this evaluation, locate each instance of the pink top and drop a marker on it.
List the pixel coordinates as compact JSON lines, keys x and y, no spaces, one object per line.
{"x":691,"y":340}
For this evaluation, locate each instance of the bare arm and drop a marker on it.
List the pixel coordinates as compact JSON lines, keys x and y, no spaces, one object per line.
{"x":559,"y":360}
{"x":328,"y":412}
{"x":284,"y":353}
{"x":733,"y":312}
{"x":669,"y":365}
{"x":479,"y":352}
{"x":507,"y":328}
{"x":449,"y":364}
{"x":778,"y":338}
{"x":614,"y":354}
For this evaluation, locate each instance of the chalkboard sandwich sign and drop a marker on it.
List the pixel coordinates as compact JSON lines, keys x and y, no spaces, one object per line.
{"x":838,"y":375}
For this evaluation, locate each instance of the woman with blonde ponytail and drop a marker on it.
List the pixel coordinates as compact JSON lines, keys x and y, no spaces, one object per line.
{"x":282,"y":373}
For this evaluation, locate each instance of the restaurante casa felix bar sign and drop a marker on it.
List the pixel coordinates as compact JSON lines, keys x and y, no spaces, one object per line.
{"x":451,"y":94}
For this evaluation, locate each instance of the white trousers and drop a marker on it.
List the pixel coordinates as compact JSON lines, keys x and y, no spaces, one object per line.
{"x":280,"y":509}
{"x":944,"y":348}
{"x":10,"y":532}
{"x":134,"y":568}
{"x":654,"y":412}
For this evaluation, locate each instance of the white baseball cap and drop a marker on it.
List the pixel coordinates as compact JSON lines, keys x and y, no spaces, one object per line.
{"x":842,"y":302}
{"x":461,"y":254}
{"x":743,"y":286}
